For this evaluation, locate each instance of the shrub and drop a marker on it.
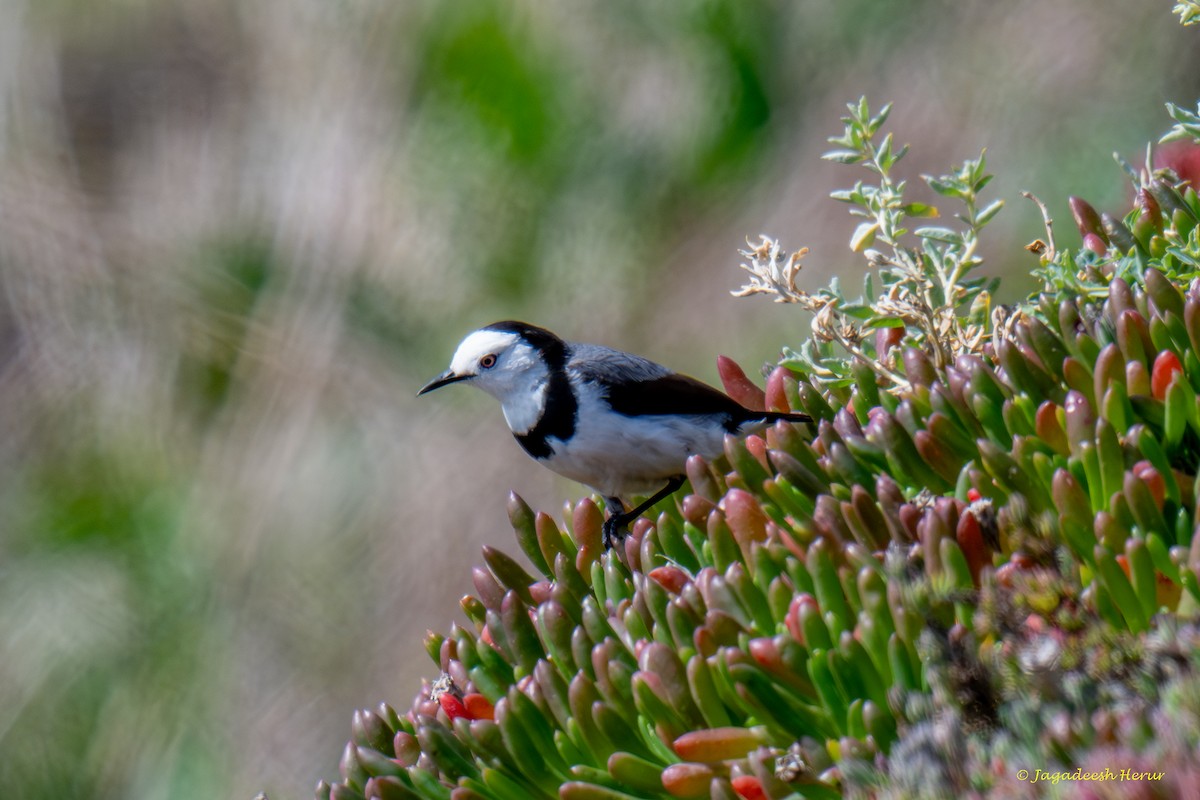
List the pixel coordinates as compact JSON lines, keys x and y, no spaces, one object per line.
{"x":977,"y":567}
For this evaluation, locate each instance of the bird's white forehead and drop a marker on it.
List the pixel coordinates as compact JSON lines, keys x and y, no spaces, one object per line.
{"x":479,"y":344}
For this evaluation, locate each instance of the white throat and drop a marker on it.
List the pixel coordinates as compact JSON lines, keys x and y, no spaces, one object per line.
{"x":524,"y":403}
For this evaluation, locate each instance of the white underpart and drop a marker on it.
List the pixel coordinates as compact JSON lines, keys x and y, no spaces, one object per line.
{"x":622,"y":456}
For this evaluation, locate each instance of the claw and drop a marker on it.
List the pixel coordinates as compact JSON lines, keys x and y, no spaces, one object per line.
{"x":613,"y":531}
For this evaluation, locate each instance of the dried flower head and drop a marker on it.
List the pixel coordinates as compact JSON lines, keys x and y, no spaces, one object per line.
{"x":772,"y":271}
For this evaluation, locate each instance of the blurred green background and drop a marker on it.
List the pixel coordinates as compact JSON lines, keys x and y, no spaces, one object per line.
{"x":235,"y":238}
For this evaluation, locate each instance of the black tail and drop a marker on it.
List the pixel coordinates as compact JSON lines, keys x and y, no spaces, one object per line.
{"x":776,"y":416}
{"x":757,"y":420}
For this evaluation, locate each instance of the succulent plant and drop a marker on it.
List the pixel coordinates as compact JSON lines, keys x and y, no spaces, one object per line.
{"x":979,"y":560}
{"x":1188,"y":11}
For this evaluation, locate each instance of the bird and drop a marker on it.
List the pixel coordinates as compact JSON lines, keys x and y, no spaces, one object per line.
{"x":616,"y":422}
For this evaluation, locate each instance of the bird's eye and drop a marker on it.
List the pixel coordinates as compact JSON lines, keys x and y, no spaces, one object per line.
{"x":488,"y":361}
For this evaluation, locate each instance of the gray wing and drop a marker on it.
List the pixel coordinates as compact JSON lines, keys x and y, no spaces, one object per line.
{"x":599,"y":364}
{"x":635,"y":386}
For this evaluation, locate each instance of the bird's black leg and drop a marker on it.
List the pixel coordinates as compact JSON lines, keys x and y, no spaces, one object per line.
{"x":614,"y":527}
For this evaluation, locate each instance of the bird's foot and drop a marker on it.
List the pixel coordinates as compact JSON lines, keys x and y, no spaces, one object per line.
{"x":614,"y":530}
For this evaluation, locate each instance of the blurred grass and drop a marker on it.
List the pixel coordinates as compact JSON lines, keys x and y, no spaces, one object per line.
{"x":234,"y":239}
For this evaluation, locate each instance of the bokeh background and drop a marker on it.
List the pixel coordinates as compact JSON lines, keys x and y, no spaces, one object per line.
{"x":236,"y":237}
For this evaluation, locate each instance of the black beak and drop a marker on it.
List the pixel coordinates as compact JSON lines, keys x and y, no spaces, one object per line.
{"x":441,"y":380}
